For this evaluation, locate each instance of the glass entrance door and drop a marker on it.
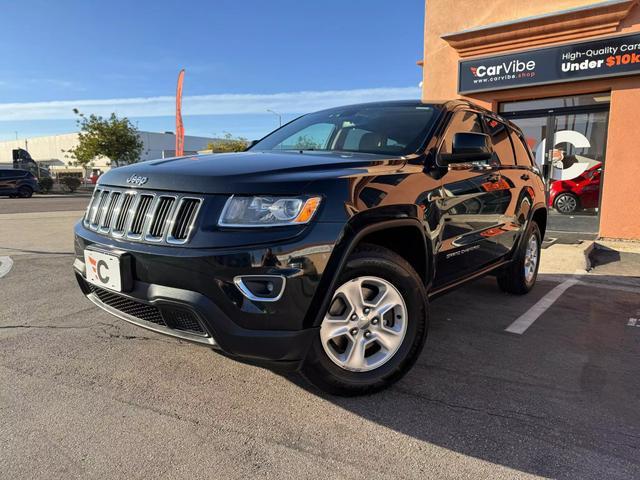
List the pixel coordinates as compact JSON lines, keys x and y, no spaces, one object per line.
{"x":568,"y":137}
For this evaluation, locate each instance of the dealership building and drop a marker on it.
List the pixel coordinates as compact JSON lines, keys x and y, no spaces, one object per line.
{"x":568,"y":73}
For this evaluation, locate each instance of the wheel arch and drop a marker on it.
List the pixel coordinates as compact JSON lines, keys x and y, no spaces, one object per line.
{"x":377,"y":231}
{"x":540,"y":217}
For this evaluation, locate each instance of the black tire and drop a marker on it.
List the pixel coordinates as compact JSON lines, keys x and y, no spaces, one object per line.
{"x":25,"y":192}
{"x":373,"y":260}
{"x":566,"y":203}
{"x":513,"y":278}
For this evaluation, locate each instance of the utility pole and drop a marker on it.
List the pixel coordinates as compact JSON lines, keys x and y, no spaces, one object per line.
{"x":278,"y":115}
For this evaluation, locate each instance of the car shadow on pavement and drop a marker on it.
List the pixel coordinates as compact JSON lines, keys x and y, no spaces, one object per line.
{"x":559,"y":400}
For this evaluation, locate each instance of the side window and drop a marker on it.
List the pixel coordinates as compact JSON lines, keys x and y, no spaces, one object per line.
{"x":501,"y":141}
{"x":461,"y":122}
{"x":314,"y":137}
{"x":523,"y":157}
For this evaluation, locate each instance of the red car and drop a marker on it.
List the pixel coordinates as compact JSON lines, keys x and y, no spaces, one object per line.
{"x":579,"y":193}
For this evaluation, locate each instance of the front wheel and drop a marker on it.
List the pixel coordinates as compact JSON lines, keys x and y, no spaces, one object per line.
{"x":520,"y":275}
{"x":374,"y":328}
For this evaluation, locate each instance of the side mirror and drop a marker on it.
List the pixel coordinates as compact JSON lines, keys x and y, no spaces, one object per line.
{"x":468,"y":147}
{"x":251,"y":144}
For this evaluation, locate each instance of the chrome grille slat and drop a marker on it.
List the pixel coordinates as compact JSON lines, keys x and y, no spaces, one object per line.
{"x":124,"y":210}
{"x":184,"y":219}
{"x":98,"y":210}
{"x":92,"y":202}
{"x":140,"y":215}
{"x":105,"y":224}
{"x":143,"y":215}
{"x":158,"y":225}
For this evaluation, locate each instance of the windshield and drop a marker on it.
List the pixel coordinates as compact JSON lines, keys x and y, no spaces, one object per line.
{"x":384,"y":129}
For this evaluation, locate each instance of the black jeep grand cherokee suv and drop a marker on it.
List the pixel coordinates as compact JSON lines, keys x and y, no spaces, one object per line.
{"x":320,"y":246}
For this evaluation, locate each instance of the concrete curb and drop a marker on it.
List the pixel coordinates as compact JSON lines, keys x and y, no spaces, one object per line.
{"x":48,"y":215}
{"x":630,"y":246}
{"x":587,"y":255}
{"x":568,"y":259}
{"x":63,"y":195}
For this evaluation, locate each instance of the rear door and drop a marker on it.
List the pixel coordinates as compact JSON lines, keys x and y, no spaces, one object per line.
{"x":472,"y":207}
{"x":513,"y":179}
{"x":5,"y":182}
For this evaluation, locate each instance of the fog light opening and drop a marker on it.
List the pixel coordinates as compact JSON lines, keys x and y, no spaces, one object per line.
{"x":261,"y":288}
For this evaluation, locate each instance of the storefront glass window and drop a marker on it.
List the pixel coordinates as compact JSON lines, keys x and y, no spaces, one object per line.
{"x":569,"y":145}
{"x":556,"y":102}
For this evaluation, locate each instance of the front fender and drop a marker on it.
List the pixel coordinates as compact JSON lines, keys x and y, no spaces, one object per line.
{"x":358,"y":227}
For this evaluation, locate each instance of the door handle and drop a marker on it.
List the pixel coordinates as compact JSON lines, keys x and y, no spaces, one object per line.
{"x":525,"y":176}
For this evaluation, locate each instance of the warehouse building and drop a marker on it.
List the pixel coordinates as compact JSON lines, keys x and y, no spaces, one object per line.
{"x":567,"y":72}
{"x":51,"y":151}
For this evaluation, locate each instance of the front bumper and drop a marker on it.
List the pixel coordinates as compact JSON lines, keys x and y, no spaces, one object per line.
{"x":189,"y":293}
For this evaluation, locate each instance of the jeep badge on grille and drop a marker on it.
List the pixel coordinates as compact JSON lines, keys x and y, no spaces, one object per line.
{"x":137,"y":180}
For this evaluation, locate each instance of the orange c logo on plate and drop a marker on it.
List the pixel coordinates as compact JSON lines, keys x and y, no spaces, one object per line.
{"x":92,"y":261}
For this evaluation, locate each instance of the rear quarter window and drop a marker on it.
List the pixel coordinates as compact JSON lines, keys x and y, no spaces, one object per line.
{"x":523,"y":154}
{"x":502,"y":147}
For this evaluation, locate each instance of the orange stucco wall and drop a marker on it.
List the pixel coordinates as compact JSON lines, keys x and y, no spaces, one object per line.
{"x":620,"y":206}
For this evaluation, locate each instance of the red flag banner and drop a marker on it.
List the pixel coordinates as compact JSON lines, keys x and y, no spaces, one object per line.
{"x":179,"y":124}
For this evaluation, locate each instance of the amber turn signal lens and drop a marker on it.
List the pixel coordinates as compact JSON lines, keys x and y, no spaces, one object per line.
{"x":308,"y":210}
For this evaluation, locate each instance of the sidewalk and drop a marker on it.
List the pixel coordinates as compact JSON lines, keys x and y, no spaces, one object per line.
{"x":619,"y":260}
{"x":616,"y":258}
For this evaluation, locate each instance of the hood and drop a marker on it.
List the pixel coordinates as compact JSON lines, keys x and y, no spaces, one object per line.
{"x":248,"y":172}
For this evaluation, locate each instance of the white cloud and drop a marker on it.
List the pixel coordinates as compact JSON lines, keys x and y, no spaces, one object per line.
{"x":292,"y":102}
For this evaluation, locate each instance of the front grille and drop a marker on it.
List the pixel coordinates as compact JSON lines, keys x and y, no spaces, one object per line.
{"x":175,"y":318}
{"x":142,"y":311}
{"x":143,"y":215}
{"x":181,"y":319}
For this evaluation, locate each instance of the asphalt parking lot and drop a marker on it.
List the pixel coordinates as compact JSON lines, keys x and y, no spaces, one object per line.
{"x":85,"y":395}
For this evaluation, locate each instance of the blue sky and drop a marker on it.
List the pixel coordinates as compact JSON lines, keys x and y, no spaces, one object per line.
{"x":241,"y":57}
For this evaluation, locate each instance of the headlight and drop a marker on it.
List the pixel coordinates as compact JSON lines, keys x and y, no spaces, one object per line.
{"x":268,"y":211}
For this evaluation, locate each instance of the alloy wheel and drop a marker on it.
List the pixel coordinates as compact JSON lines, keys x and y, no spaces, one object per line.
{"x":365,"y":324}
{"x":566,"y":203}
{"x":531,"y":259}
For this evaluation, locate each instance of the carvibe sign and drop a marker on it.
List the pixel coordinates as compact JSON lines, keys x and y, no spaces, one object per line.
{"x":607,"y":57}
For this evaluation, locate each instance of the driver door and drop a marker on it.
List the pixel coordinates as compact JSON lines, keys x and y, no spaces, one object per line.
{"x":472,"y":205}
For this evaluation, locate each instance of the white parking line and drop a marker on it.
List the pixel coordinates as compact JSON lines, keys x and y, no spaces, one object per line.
{"x":525,"y":320}
{"x":5,"y":265}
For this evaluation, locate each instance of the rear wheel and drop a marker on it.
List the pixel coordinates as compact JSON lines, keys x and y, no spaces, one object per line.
{"x":521,"y":274}
{"x":374,"y":328}
{"x":566,"y":203}
{"x":25,"y":192}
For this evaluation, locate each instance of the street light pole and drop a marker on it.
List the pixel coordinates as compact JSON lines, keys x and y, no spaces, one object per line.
{"x":278,"y":115}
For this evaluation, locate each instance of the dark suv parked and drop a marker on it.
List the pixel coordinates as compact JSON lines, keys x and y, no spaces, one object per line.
{"x":319,"y":247}
{"x":18,"y":183}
